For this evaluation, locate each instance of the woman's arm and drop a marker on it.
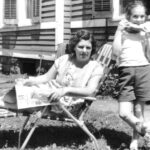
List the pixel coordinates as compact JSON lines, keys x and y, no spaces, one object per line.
{"x":51,"y":74}
{"x":89,"y":90}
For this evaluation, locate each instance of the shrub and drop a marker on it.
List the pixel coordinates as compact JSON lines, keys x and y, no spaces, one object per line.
{"x":109,"y":87}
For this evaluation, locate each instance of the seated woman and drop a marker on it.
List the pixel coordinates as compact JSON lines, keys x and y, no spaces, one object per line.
{"x":74,"y":73}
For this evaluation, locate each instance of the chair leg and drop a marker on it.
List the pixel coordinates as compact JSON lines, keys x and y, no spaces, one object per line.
{"x":21,"y":130}
{"x":28,"y":137}
{"x":82,"y":126}
{"x":39,"y":115}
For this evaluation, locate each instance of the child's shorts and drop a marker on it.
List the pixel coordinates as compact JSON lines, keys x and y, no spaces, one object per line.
{"x":134,"y":83}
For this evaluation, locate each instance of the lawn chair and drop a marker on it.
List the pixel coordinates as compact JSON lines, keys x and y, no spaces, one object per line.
{"x":104,"y":57}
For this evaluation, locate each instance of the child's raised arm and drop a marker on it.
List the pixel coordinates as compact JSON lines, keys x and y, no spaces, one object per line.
{"x":117,"y":43}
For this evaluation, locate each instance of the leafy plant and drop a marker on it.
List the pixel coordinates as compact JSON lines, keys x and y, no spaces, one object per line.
{"x":109,"y":87}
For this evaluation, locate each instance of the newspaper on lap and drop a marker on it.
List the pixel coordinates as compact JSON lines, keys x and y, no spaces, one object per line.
{"x":35,"y":96}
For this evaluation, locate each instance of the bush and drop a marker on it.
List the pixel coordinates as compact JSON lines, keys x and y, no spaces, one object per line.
{"x":109,"y":87}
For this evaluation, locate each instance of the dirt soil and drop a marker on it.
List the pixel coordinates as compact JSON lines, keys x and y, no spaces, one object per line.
{"x":102,"y":119}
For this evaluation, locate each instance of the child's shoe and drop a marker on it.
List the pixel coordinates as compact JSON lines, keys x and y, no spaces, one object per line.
{"x":134,"y":144}
{"x":147,"y":140}
{"x":147,"y":135}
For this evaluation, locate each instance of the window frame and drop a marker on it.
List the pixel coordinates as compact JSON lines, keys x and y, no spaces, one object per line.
{"x":36,"y":19}
{"x":30,"y":8}
{"x":10,"y":21}
{"x":101,"y":14}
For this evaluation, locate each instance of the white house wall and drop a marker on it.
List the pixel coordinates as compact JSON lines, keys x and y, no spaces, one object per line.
{"x":59,"y":19}
{"x":22,"y":14}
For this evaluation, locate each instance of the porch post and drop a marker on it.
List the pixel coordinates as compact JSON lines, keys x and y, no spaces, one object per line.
{"x":116,"y":10}
{"x":59,"y":18}
{"x":1,"y":13}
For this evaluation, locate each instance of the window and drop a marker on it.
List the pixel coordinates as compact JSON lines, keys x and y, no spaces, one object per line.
{"x":36,"y":8}
{"x":33,"y":10}
{"x":10,"y":12}
{"x":29,"y":8}
{"x":102,"y":8}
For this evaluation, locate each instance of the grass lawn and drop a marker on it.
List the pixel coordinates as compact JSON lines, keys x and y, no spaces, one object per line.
{"x":111,"y":132}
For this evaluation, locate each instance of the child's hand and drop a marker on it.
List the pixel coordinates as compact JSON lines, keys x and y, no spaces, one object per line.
{"x":122,"y":25}
{"x":146,"y":27}
{"x":133,"y":28}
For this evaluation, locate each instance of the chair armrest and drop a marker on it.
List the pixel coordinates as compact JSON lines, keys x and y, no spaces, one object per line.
{"x":88,"y":98}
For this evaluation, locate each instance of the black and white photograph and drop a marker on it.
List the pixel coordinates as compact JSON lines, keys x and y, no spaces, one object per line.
{"x":74,"y":74}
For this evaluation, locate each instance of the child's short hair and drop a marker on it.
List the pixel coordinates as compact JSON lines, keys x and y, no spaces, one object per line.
{"x":133,"y":4}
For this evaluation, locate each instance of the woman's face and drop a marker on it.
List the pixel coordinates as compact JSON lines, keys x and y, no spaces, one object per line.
{"x":83,"y":50}
{"x":138,"y":15}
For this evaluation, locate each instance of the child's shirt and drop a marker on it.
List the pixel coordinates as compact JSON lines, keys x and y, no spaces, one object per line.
{"x":133,"y":49}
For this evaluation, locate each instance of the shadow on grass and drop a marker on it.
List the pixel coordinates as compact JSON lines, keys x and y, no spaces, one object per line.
{"x":44,"y":136}
{"x":63,"y":137}
{"x":115,"y":139}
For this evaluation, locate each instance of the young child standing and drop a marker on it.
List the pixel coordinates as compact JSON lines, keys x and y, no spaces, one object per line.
{"x":131,"y":51}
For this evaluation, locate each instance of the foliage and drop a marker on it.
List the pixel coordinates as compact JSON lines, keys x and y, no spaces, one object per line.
{"x":109,"y":87}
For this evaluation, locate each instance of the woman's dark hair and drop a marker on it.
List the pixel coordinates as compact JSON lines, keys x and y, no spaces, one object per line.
{"x":133,"y":4}
{"x":77,"y":37}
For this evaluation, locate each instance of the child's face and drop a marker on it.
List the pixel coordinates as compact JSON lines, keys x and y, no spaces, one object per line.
{"x":138,"y":15}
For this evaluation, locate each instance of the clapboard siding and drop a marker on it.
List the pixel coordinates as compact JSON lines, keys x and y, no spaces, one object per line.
{"x":81,"y":10}
{"x":101,"y":34}
{"x":48,"y":3}
{"x":42,"y":40}
{"x":32,"y":39}
{"x":27,"y":38}
{"x":35,"y":43}
{"x":48,"y":10}
{"x":40,"y":49}
{"x":80,"y":1}
{"x":48,"y":14}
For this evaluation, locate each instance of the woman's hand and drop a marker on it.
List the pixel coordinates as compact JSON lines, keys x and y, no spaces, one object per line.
{"x":57,"y":94}
{"x":27,"y":82}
